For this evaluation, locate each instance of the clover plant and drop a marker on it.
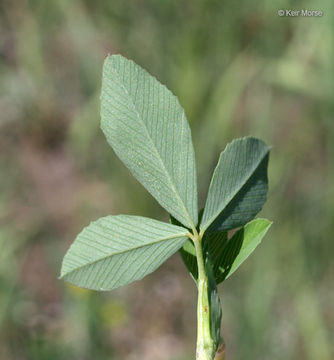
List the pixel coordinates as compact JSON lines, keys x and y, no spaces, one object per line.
{"x":148,"y":130}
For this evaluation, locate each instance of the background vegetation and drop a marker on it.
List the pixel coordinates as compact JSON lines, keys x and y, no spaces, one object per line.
{"x":238,"y":69}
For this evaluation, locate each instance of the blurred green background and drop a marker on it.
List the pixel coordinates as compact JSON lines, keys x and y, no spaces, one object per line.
{"x":238,"y":69}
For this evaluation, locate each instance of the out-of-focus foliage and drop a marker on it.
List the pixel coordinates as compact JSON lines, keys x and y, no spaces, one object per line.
{"x":238,"y":69}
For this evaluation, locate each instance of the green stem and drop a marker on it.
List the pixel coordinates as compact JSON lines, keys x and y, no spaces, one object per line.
{"x":205,"y":345}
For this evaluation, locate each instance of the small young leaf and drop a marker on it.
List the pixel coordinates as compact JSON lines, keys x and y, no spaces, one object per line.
{"x":147,"y":128}
{"x":187,"y":252}
{"x":215,"y":243}
{"x":239,"y":247}
{"x":188,"y":255}
{"x":238,"y":187}
{"x":116,"y":250}
{"x":212,"y":244}
{"x":215,"y":305}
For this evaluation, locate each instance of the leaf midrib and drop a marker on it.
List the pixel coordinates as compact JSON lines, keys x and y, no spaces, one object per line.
{"x":124,"y":251}
{"x":209,"y":222}
{"x":154,"y":147}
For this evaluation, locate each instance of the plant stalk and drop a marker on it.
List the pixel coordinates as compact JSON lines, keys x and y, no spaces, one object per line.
{"x":205,"y":345}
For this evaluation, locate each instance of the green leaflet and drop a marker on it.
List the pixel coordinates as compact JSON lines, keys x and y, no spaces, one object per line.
{"x":147,"y":128}
{"x":116,"y":250}
{"x":250,"y":236}
{"x":215,"y":243}
{"x":230,"y":256}
{"x":212,"y":243}
{"x":188,"y":255}
{"x":226,"y":255}
{"x":238,"y":187}
{"x":187,"y":251}
{"x":215,"y":305}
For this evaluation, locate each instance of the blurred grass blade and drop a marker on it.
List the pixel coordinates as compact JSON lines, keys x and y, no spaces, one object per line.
{"x":116,"y":250}
{"x":238,"y":187}
{"x":147,"y":128}
{"x":239,"y":247}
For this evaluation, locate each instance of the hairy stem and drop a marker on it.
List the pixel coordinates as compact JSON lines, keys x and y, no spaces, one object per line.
{"x":205,"y":344}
